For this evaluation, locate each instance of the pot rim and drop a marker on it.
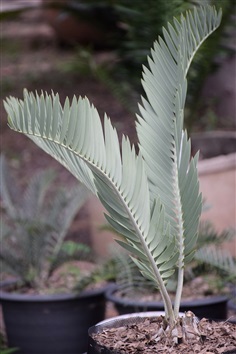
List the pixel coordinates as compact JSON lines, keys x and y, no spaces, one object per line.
{"x":117,"y":320}
{"x":221,"y":159}
{"x":214,"y":134}
{"x":14,"y":296}
{"x":110,"y":296}
{"x":134,"y":314}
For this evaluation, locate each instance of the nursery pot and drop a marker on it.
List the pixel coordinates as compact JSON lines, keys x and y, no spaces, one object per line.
{"x":211,"y":307}
{"x":51,"y":324}
{"x":232,"y":305}
{"x":94,"y":347}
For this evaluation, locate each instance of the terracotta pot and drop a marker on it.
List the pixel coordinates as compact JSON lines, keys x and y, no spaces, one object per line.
{"x":217,"y":171}
{"x":48,"y":324}
{"x":213,"y":307}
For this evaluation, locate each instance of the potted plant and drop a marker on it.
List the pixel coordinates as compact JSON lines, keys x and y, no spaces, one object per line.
{"x":42,"y":311}
{"x":207,"y":282}
{"x":152,"y":196}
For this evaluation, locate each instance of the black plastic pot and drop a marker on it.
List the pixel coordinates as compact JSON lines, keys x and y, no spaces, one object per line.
{"x":232,"y":305}
{"x":212,"y":307}
{"x":51,"y":324}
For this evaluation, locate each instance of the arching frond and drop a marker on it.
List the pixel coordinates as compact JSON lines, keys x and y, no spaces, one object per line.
{"x":164,"y":144}
{"x":73,"y":135}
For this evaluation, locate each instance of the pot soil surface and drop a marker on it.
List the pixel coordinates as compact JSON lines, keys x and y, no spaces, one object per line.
{"x":62,"y":281}
{"x":141,"y":337}
{"x":197,"y":288}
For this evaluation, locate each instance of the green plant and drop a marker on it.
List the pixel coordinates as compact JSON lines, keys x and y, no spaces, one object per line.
{"x":139,"y":23}
{"x":8,"y":350}
{"x":143,"y":22}
{"x":205,"y":63}
{"x":152,"y":197}
{"x":84,"y":64}
{"x":3,"y":346}
{"x":106,"y":272}
{"x":210,"y":257}
{"x":35,"y":223}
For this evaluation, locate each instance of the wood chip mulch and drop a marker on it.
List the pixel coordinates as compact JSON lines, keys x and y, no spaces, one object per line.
{"x":142,"y":337}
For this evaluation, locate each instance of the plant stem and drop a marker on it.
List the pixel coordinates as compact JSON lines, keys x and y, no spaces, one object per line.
{"x":180,"y":239}
{"x":179,"y":290}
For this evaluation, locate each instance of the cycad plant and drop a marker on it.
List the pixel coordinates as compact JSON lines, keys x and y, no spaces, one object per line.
{"x":211,"y":254}
{"x":34,"y":225}
{"x":152,"y":197}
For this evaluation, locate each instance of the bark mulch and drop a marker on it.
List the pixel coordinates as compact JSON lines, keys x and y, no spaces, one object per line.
{"x":143,"y":337}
